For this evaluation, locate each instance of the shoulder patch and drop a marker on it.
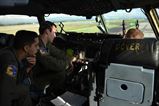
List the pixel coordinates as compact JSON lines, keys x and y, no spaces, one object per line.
{"x":11,"y":70}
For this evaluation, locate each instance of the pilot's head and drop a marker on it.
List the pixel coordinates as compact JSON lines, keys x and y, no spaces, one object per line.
{"x":48,"y":29}
{"x":134,"y":34}
{"x":26,"y":42}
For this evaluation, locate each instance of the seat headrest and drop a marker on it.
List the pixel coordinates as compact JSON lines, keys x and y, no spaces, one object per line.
{"x":139,"y":52}
{"x":6,"y":39}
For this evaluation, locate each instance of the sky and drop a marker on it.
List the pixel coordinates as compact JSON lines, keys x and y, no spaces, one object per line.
{"x":120,"y":14}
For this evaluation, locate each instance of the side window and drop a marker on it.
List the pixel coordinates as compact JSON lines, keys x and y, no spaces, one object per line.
{"x":11,"y":23}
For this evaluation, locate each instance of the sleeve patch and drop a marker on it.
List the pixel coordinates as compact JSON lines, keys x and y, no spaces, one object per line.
{"x":11,"y":70}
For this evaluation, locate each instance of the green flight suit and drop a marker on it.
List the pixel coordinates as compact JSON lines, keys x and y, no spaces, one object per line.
{"x":12,"y":91}
{"x":50,"y":67}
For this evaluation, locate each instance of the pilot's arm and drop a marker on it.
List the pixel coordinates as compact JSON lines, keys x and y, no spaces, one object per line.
{"x":58,"y":53}
{"x":56,"y":60}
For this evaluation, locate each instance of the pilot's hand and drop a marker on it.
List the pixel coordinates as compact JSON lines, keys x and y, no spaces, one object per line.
{"x":32,"y":61}
{"x":70,"y":66}
{"x":73,"y":62}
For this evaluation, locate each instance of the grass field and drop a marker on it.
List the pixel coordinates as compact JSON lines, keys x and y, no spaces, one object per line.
{"x":81,"y":26}
{"x":11,"y":29}
{"x":88,"y":26}
{"x":69,"y":26}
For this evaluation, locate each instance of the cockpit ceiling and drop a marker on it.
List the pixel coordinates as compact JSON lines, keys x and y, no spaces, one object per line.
{"x":75,"y":7}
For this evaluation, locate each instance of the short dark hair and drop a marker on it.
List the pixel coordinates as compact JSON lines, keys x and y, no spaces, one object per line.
{"x":24,"y":37}
{"x":45,"y":25}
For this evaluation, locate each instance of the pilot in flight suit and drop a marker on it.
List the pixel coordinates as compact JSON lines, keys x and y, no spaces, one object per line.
{"x":9,"y":79}
{"x":13,"y":92}
{"x":50,"y":68}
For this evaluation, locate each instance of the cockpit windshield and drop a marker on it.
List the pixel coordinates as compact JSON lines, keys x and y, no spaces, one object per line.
{"x":120,"y":21}
{"x":115,"y":23}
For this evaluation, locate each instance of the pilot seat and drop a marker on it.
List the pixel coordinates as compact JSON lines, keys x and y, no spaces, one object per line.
{"x":127,"y":72}
{"x":6,"y":40}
